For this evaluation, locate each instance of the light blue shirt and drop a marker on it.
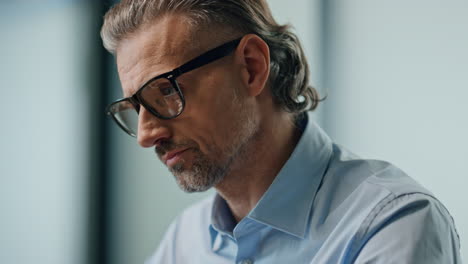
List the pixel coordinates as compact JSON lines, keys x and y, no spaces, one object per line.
{"x":325,"y":206}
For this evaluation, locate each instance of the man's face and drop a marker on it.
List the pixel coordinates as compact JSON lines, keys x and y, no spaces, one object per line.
{"x":204,"y":144}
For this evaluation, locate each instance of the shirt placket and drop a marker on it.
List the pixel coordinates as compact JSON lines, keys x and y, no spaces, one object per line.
{"x":247,"y":236}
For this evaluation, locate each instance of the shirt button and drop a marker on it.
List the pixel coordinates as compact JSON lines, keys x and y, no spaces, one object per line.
{"x":246,"y":261}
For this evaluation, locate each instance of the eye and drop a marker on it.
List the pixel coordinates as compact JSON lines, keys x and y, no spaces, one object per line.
{"x":167,"y":90}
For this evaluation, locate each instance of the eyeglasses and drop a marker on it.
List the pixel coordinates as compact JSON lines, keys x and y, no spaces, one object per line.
{"x":161,"y":95}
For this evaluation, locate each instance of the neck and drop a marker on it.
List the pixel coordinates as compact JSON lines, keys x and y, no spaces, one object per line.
{"x":251,"y":176}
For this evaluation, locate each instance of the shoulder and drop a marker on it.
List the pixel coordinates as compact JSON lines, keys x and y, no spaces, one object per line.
{"x":351,"y":173}
{"x":353,"y":183}
{"x":193,"y":217}
{"x":376,"y":186}
{"x":186,"y":234}
{"x":193,"y":220}
{"x":197,"y":215}
{"x":386,"y":207}
{"x":376,"y":208}
{"x":416,"y":220}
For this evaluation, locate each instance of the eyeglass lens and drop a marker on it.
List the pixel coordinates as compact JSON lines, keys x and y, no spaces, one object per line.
{"x":126,"y":115}
{"x":159,"y":95}
{"x":163,"y":97}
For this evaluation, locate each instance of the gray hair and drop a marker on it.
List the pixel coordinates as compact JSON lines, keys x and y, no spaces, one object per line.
{"x":289,"y":70}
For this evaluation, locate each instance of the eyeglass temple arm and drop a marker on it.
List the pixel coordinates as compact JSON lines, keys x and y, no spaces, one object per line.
{"x":207,"y":57}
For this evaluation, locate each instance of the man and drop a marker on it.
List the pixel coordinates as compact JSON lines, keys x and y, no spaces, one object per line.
{"x":221,"y":91}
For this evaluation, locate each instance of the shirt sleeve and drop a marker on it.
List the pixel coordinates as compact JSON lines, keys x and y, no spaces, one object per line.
{"x":166,"y":249}
{"x":412,"y":228}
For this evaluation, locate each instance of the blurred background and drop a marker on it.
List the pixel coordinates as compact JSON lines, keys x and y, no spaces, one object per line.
{"x":75,"y":189}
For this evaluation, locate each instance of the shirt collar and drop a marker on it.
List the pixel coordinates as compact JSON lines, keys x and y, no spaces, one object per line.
{"x":287,"y":203}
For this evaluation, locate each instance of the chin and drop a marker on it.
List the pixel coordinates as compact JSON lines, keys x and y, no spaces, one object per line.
{"x":194,"y":180}
{"x":198,"y":174}
{"x":189,"y":184}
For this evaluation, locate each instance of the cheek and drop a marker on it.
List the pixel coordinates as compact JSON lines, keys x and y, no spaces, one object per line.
{"x":210,"y":98}
{"x":210,"y":129}
{"x":210,"y":110}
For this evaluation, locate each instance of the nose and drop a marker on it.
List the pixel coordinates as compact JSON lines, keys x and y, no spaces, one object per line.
{"x":151,"y":129}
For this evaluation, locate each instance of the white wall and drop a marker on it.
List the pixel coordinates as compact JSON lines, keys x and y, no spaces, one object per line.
{"x":397,"y":74}
{"x":43,"y":171}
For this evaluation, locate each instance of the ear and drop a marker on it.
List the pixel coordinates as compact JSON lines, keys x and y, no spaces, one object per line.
{"x":254,"y":55}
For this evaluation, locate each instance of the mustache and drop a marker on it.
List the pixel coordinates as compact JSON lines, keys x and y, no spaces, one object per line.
{"x":169,"y":145}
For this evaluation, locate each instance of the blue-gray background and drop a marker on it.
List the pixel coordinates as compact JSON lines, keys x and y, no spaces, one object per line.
{"x":396,"y":74}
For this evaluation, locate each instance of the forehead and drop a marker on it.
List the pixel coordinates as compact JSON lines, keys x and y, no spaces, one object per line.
{"x":155,"y":48}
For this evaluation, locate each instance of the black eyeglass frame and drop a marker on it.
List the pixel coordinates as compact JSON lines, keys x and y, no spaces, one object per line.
{"x":136,"y":99}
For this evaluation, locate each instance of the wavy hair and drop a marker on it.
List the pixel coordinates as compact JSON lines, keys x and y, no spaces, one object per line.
{"x":289,"y":70}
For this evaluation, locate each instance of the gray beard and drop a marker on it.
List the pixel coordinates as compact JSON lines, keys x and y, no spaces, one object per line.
{"x":203,"y":174}
{"x":206,"y":173}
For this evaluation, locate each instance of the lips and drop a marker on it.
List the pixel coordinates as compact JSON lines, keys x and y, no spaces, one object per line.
{"x":172,"y":157}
